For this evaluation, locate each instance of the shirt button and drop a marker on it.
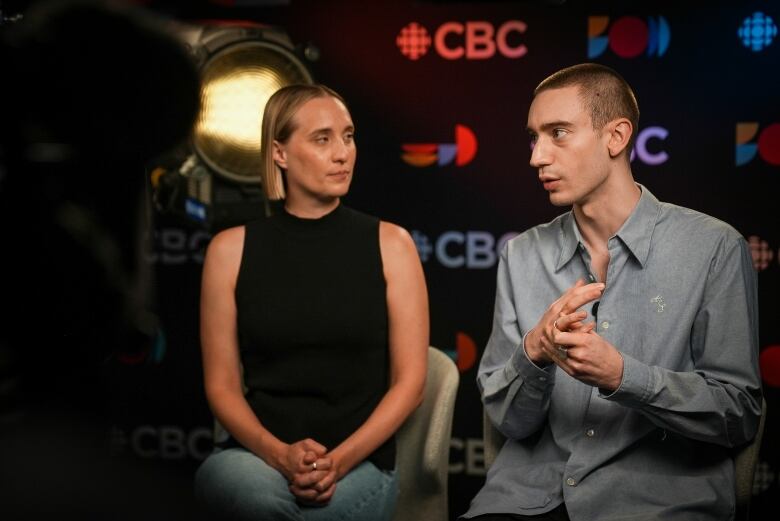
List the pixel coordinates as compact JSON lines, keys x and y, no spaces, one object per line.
{"x":542,"y":378}
{"x":571,"y":482}
{"x":605,"y":325}
{"x":590,"y":433}
{"x":591,"y":278}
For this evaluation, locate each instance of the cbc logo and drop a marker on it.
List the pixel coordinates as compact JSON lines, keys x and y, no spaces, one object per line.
{"x":453,"y":249}
{"x":647,"y":153}
{"x":174,"y":246}
{"x":168,"y":442}
{"x":629,"y":36}
{"x":473,"y":40}
{"x":767,"y":145}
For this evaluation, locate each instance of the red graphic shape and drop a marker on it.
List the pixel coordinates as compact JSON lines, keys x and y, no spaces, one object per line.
{"x":420,"y":148}
{"x":769,"y":144}
{"x":420,"y":160}
{"x":466,"y":142}
{"x":413,"y":41}
{"x":467,"y":352}
{"x":770,"y":365}
{"x":628,"y":37}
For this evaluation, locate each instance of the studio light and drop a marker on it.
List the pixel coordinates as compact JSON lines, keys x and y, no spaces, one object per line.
{"x":218,"y":179}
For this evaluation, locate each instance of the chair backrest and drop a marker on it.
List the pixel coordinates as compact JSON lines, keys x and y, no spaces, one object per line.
{"x":423,"y":445}
{"x":493,"y":440}
{"x":745,"y":459}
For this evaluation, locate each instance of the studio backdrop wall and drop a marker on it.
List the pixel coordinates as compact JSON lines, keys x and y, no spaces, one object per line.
{"x":439,"y":92}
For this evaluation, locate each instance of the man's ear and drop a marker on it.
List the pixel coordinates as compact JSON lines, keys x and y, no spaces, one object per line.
{"x":620,"y":132}
{"x":280,"y":155}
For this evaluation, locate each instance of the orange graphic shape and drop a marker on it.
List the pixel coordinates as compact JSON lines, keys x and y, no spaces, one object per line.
{"x":746,"y":132}
{"x":420,"y":148}
{"x":597,"y":25}
{"x":466,"y":142}
{"x":419,"y":159}
{"x":467,"y":351}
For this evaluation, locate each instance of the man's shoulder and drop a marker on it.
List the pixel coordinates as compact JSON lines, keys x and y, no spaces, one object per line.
{"x":688,"y":223}
{"x":541,"y":234}
{"x":538,"y":240}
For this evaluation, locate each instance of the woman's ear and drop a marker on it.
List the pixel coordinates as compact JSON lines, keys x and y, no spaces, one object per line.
{"x":280,"y":155}
{"x":620,"y":132}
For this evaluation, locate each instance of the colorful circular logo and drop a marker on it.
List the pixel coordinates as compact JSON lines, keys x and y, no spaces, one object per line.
{"x":757,"y":31}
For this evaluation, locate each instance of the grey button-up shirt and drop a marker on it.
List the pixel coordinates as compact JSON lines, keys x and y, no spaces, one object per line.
{"x":680,"y":305}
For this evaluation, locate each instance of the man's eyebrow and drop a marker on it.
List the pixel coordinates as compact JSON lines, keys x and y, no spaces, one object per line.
{"x":550,"y":125}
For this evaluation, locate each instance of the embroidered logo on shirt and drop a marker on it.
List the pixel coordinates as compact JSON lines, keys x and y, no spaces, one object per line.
{"x":659,"y":302}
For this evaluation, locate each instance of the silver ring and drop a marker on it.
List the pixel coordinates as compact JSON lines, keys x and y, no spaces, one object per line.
{"x":555,"y":324}
{"x":563,"y":353}
{"x":314,"y":466}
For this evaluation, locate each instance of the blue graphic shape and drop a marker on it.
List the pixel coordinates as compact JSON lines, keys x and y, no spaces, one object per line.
{"x":746,"y":153}
{"x":664,"y":35}
{"x":447,"y":153}
{"x":757,"y":31}
{"x":597,"y":45}
{"x":652,"y":36}
{"x":195,"y":209}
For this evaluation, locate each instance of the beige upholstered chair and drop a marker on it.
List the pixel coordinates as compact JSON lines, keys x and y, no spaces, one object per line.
{"x":422,"y":445}
{"x":745,"y":459}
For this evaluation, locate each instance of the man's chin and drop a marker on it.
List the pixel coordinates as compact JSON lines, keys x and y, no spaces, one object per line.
{"x":559,"y":199}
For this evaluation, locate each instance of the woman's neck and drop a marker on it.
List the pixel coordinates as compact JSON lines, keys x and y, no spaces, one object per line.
{"x":310,"y":209}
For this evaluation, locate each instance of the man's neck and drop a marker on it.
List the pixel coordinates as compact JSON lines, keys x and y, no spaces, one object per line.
{"x":602,"y":215}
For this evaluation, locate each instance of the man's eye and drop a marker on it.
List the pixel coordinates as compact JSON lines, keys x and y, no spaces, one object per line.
{"x":558,"y":133}
{"x":321,"y":139}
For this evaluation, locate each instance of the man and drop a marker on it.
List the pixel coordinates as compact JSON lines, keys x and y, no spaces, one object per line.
{"x":623,"y":362}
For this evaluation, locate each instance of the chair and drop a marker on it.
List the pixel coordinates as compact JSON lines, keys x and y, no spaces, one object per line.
{"x":423,"y":445}
{"x":745,"y":459}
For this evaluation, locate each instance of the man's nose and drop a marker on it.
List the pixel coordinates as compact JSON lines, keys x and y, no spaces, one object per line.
{"x":539,"y":154}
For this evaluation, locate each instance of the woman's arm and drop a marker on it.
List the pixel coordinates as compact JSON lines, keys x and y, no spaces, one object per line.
{"x":407,"y":310}
{"x":222,"y":368}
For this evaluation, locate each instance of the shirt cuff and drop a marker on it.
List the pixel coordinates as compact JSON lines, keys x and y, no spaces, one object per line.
{"x":635,"y":385}
{"x":529,"y":372}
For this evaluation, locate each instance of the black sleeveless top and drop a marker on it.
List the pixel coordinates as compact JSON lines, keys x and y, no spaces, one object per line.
{"x":312,"y":326}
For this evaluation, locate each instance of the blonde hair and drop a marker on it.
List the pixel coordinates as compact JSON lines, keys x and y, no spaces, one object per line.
{"x":279,"y":124}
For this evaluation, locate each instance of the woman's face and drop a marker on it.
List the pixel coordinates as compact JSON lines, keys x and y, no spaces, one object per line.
{"x":320,"y":154}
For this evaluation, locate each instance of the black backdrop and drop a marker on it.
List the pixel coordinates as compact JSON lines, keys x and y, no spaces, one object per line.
{"x":695,"y":82}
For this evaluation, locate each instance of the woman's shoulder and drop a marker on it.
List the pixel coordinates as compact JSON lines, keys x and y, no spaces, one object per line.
{"x":394,"y":239}
{"x":227,"y":244}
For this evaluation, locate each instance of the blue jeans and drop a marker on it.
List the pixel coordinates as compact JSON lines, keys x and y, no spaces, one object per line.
{"x":236,"y":484}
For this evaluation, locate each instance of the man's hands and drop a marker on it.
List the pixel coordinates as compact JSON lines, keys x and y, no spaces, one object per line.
{"x":561,"y":337}
{"x":310,"y":470}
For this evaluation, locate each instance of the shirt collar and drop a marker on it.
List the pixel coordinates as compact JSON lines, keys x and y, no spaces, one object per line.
{"x":635,"y":233}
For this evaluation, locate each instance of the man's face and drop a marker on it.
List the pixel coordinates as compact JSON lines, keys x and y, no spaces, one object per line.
{"x":572,"y":158}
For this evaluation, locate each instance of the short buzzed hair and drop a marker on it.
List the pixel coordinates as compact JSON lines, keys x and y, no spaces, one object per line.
{"x":601,"y":89}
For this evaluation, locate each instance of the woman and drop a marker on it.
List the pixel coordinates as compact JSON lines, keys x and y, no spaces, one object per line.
{"x":325,"y":310}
